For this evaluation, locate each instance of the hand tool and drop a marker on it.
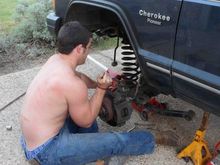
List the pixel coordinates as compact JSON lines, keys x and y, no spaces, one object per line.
{"x":111,"y":73}
{"x":216,"y":155}
{"x":131,"y":129}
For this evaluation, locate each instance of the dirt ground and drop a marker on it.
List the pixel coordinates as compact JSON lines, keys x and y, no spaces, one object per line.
{"x":20,"y":64}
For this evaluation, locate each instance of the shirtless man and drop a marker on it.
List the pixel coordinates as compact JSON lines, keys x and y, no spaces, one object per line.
{"x":58,"y":120}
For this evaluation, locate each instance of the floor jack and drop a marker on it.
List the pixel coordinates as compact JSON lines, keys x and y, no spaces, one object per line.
{"x":198,"y":150}
{"x":153,"y":106}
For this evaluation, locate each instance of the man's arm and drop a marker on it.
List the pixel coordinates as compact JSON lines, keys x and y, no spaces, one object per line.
{"x":88,"y":81}
{"x":82,"y":110}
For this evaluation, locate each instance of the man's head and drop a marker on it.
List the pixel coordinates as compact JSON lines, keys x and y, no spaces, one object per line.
{"x":71,"y":35}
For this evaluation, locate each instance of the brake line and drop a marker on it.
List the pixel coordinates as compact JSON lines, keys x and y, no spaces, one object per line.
{"x":11,"y":102}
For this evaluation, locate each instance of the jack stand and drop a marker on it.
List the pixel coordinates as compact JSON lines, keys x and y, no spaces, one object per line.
{"x":198,"y":150}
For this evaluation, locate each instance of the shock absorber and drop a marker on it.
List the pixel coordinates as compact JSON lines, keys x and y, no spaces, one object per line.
{"x":130,"y":70}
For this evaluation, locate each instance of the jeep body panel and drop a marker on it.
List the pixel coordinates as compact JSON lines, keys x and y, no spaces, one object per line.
{"x":176,"y":42}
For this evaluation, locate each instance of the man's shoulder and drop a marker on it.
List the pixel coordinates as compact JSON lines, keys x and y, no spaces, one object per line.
{"x":73,"y":87}
{"x":71,"y":82}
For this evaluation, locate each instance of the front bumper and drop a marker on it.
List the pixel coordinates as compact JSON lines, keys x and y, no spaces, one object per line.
{"x":53,"y":23}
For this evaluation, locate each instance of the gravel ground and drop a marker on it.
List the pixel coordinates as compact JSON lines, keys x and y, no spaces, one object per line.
{"x":14,"y":84}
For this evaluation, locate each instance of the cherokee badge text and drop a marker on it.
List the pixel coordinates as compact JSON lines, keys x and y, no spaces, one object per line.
{"x":154,"y":18}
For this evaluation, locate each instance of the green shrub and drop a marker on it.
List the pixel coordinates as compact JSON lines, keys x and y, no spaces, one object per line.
{"x":30,"y":20}
{"x":8,"y":49}
{"x":103,"y":42}
{"x":30,"y":36}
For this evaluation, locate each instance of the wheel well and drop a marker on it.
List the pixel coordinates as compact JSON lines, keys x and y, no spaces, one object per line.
{"x":102,"y":21}
{"x":96,"y":19}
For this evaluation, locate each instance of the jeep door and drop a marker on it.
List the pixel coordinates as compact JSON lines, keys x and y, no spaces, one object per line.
{"x":196,"y":65}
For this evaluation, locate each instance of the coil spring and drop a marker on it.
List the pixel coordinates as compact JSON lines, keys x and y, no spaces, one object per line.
{"x":130,"y":69}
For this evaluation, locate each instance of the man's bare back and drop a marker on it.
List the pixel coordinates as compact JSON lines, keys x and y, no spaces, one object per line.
{"x":45,"y":105}
{"x":58,"y":99}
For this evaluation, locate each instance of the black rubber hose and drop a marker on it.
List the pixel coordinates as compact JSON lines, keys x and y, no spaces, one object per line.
{"x":11,"y":102}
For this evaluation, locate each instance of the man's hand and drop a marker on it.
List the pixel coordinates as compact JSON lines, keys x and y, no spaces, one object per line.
{"x":104,"y":81}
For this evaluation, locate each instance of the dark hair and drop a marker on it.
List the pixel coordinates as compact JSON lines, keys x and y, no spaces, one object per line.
{"x":70,"y":35}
